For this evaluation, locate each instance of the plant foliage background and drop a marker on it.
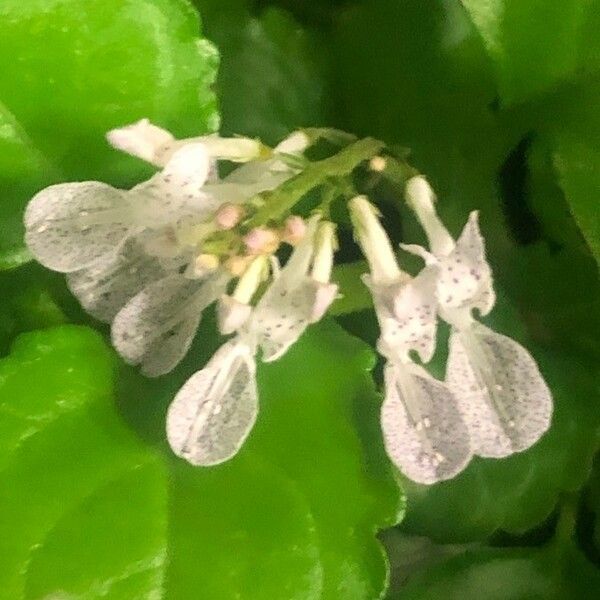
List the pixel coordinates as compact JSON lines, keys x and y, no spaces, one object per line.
{"x":497,"y":101}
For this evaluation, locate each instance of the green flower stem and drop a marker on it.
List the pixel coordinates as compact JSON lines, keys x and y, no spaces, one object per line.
{"x":339,"y":165}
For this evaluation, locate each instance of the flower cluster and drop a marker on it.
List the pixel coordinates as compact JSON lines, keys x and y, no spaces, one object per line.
{"x":494,"y":401}
{"x":150,"y":260}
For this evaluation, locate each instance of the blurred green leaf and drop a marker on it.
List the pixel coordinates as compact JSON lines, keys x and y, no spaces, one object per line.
{"x":272,"y":74}
{"x":537,"y":44}
{"x":558,"y":291}
{"x":548,"y":201}
{"x":577,"y":164}
{"x":510,"y":574}
{"x":411,"y":554}
{"x":27,"y":303}
{"x":263,"y":525}
{"x":74,"y":479}
{"x":70,"y":71}
{"x":23,"y":170}
{"x":423,"y":81}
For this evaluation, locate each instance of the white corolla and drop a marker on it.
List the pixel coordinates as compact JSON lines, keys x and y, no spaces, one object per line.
{"x":501,"y":393}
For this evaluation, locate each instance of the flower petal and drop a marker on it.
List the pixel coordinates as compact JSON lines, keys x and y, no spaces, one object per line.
{"x":178,"y":190}
{"x":215,"y":410}
{"x":282,"y":316}
{"x":421,"y":198}
{"x":503,"y":397}
{"x":295,"y":143}
{"x":157,"y":326}
{"x":407,"y":316}
{"x":107,"y":286}
{"x":421,"y":252}
{"x":326,"y":294}
{"x":231,"y":314}
{"x":142,"y":139}
{"x":423,"y":431}
{"x":69,"y":226}
{"x":465,"y":279}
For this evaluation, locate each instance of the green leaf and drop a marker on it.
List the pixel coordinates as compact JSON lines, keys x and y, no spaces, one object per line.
{"x":354,"y":294}
{"x":593,"y":504}
{"x":537,"y":44}
{"x":558,"y":291}
{"x":423,"y":82}
{"x":563,"y":164}
{"x":412,"y":554}
{"x":318,"y":429}
{"x":519,"y":492}
{"x":272,"y":76}
{"x":27,"y":303}
{"x":70,"y":71}
{"x":577,"y":163}
{"x":75,"y":479}
{"x":509,"y":574}
{"x":22,"y":171}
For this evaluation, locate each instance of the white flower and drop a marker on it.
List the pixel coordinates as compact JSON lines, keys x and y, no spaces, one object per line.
{"x":423,"y":430}
{"x":215,"y":410}
{"x":106,"y":286}
{"x":72,"y":226}
{"x":156,"y":145}
{"x":500,"y":391}
{"x":298,"y":296}
{"x":264,"y":170}
{"x":157,"y":326}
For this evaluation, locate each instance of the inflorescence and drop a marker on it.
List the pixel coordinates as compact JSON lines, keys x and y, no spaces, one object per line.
{"x":151,"y":259}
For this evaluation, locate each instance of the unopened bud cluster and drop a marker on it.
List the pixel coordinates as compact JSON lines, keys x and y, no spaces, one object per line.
{"x":150,"y":260}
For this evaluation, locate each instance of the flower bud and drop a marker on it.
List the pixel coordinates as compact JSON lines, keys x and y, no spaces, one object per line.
{"x":236,"y":265}
{"x":294,"y":230}
{"x":295,"y":143}
{"x":228,"y":216}
{"x":374,"y":241}
{"x":204,"y":263}
{"x":261,"y":241}
{"x":377,"y":164}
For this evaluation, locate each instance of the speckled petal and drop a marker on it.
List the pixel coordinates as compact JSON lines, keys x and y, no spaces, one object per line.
{"x":106,"y":286}
{"x":282,"y":316}
{"x":287,"y":306}
{"x":407,"y":315}
{"x":157,"y":326}
{"x":465,"y":279}
{"x":70,"y":226}
{"x":423,"y":431}
{"x":215,"y":410}
{"x":178,"y":190}
{"x":500,"y":391}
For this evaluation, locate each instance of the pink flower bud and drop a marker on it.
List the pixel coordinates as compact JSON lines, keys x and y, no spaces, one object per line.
{"x":236,"y":265}
{"x":294,"y":230}
{"x":261,"y":241}
{"x":228,"y":216}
